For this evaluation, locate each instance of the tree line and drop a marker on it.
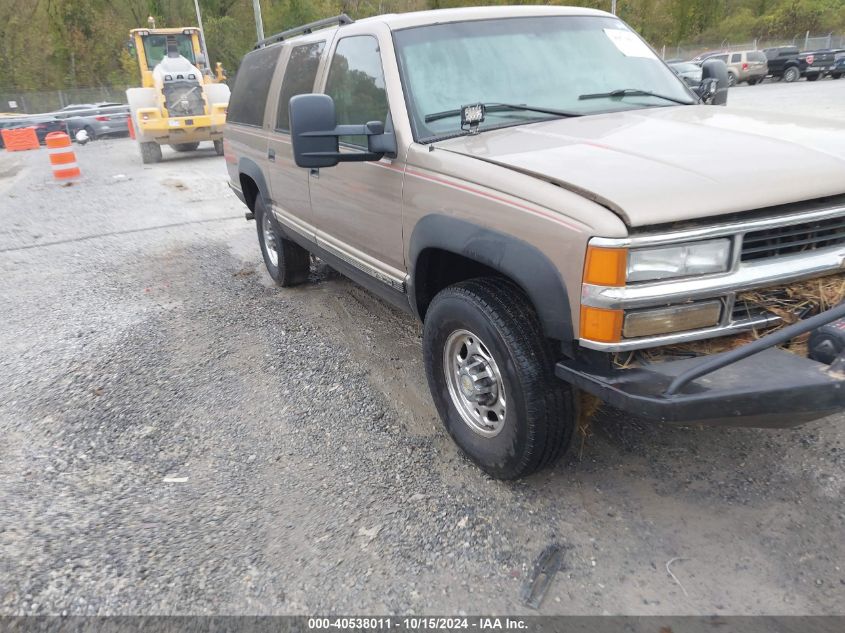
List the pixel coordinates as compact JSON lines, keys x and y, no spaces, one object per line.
{"x":60,"y":44}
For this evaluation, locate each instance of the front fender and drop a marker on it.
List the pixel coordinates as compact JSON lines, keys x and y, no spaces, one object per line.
{"x":510,"y":256}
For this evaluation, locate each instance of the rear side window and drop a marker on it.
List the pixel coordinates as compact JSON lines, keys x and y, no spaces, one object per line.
{"x":356,"y":83}
{"x":299,"y":78}
{"x":736,"y":58}
{"x":249,"y":96}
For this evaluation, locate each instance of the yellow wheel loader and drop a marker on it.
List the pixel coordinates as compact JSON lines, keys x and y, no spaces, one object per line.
{"x":181,"y":102}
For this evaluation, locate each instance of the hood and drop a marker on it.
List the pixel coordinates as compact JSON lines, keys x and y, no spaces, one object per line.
{"x":673,"y":164}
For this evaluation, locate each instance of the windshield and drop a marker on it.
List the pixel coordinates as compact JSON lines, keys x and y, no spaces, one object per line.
{"x":155,"y":48}
{"x":546,"y":62}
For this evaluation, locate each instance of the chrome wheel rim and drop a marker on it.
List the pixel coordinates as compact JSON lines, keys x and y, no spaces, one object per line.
{"x":475,"y":383}
{"x":270,"y":245}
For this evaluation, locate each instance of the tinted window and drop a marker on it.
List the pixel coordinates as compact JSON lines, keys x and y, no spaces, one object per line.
{"x":356,"y":83}
{"x":299,"y":78}
{"x":736,"y":58}
{"x":249,"y":96}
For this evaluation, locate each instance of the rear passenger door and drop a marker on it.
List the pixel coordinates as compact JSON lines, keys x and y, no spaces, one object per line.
{"x":289,"y":183}
{"x":357,"y":206}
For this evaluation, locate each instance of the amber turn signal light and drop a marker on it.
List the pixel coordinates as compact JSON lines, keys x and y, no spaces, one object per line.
{"x":606,"y":266}
{"x":603,"y":326}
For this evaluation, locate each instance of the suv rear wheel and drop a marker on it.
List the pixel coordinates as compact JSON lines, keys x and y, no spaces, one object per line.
{"x":731,"y":80}
{"x":287,"y":262}
{"x":491,"y":374}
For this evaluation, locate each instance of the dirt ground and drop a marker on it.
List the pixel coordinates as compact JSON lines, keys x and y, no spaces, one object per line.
{"x":178,"y":435}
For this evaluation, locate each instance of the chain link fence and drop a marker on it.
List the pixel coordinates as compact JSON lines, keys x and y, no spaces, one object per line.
{"x":38,"y":102}
{"x":805,"y":42}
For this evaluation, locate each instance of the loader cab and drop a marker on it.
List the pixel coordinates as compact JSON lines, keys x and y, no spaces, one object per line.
{"x":151,"y":47}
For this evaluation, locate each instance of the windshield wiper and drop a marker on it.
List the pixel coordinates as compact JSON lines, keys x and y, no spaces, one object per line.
{"x":632,"y":92}
{"x":500,"y":107}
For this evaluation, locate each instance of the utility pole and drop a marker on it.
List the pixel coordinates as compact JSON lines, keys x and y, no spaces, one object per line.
{"x":612,"y":6}
{"x":259,"y":24}
{"x":202,"y":35}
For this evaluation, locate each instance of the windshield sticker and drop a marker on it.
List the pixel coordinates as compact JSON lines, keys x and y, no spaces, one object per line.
{"x":629,"y":44}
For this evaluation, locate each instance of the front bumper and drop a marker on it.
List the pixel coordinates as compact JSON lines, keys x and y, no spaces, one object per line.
{"x":184,"y":129}
{"x":756,"y":384}
{"x":774,"y":389}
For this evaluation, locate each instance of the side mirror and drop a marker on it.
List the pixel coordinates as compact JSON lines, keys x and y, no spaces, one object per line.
{"x":713,"y":89}
{"x":314,"y":134}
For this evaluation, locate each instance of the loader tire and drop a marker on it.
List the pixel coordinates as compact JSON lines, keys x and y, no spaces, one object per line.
{"x":150,"y":153}
{"x":218,"y":147}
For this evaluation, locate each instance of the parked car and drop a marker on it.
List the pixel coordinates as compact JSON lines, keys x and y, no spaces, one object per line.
{"x":743,"y":66}
{"x":549,"y":224}
{"x":688,"y":71}
{"x":704,"y":56}
{"x":819,"y":63}
{"x":98,"y":120}
{"x":785,"y":62}
{"x":838,"y":67}
{"x":43,"y":124}
{"x":750,"y":67}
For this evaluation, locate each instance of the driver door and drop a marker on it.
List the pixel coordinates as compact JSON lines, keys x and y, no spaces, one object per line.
{"x":357,"y":206}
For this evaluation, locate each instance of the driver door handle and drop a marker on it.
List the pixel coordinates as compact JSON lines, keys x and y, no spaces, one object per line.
{"x":271,"y":155}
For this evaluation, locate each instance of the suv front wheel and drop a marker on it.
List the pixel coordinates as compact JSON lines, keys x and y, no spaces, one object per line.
{"x":491,"y":375}
{"x":287,"y":262}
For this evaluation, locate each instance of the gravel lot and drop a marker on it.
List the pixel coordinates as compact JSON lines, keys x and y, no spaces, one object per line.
{"x":177,"y":435}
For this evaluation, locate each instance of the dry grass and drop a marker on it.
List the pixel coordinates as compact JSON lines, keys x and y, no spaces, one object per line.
{"x":791,"y":303}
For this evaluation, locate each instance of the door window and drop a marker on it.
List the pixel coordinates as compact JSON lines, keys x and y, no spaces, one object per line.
{"x":356,"y":83}
{"x":252,"y":83}
{"x":299,"y":78}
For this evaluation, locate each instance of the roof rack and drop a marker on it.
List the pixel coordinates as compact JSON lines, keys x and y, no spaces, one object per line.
{"x":340,"y":20}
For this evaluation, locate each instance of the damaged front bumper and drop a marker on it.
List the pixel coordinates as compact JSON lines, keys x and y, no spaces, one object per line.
{"x":756,"y":384}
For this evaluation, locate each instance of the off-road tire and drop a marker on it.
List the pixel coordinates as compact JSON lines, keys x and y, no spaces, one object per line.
{"x":791,"y":74}
{"x":185,"y":147}
{"x":293,"y":262}
{"x":540,"y":418}
{"x":150,"y":153}
{"x":218,"y":147}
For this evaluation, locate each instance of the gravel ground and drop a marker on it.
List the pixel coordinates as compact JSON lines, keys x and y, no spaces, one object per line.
{"x":177,"y":435}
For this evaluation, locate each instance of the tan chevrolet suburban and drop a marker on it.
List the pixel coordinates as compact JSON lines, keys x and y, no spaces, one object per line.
{"x":561,"y":211}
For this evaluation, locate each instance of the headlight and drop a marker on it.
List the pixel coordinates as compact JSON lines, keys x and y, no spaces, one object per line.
{"x":684,"y":260}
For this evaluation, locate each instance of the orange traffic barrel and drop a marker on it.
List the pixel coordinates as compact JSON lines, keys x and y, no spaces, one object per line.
{"x":62,"y":157}
{"x":131,"y":128}
{"x":20,"y":139}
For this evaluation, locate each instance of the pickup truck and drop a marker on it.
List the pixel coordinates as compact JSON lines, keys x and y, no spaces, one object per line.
{"x":559,"y":231}
{"x":819,"y":63}
{"x":786,"y":62}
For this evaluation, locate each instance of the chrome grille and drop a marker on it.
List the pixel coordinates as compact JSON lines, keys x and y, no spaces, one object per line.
{"x":793,"y":238}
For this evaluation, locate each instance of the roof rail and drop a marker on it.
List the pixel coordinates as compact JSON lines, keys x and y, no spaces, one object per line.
{"x":340,"y":20}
